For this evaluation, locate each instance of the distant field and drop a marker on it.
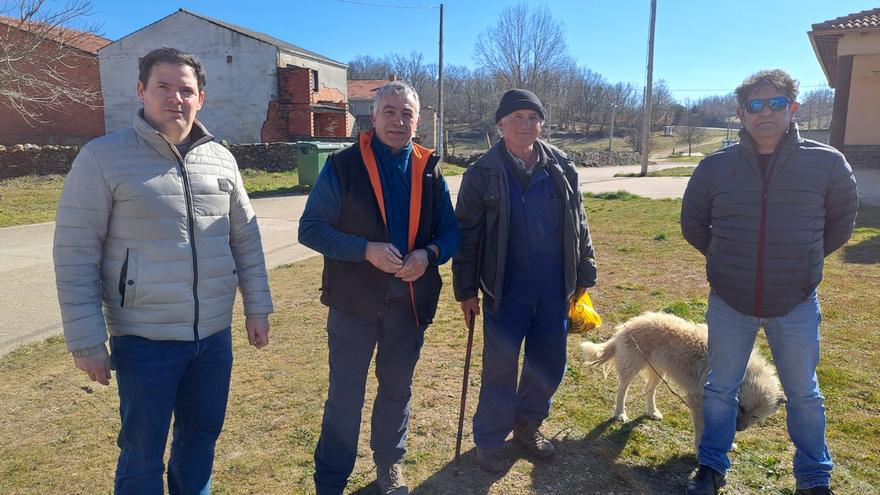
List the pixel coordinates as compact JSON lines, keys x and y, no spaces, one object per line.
{"x":661,"y":146}
{"x":34,"y":199}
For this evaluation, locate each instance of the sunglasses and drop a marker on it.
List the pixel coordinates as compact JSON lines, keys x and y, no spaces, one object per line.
{"x":776,"y":104}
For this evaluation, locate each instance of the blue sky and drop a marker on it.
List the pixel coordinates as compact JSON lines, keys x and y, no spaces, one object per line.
{"x":706,"y":46}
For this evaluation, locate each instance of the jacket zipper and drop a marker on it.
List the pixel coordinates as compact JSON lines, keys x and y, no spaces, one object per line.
{"x":762,"y":233}
{"x":192,"y":241}
{"x":123,"y":276}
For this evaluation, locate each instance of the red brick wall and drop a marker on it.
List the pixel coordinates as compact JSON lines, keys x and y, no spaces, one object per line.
{"x":75,"y":124}
{"x":291,"y":112}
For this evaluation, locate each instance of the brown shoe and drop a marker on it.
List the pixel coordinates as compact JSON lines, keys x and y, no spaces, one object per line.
{"x":530,"y":437}
{"x":491,"y":460}
{"x":389,"y":477}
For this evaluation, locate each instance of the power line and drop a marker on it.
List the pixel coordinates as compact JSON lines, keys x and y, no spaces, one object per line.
{"x":730,"y":90}
{"x":374,"y":4}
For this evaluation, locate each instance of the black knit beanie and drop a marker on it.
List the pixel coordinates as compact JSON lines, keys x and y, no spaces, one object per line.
{"x":518,"y":99}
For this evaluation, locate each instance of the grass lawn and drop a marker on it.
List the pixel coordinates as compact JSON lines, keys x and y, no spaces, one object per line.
{"x":451,"y":169}
{"x":58,"y":435}
{"x":663,"y":172}
{"x":34,"y":199}
{"x":683,"y":158}
{"x":259,"y":183}
{"x":30,"y":199}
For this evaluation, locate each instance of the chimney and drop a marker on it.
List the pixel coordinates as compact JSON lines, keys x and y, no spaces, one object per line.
{"x":392,"y":77}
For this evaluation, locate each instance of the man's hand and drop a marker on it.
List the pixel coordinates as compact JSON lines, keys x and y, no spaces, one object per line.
{"x":578,"y":292}
{"x":414,"y":266}
{"x":97,"y":366}
{"x":257,"y":331}
{"x":384,"y":256}
{"x":469,"y":307}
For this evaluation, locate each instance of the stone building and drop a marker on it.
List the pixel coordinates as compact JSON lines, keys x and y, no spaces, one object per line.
{"x":259,"y":89}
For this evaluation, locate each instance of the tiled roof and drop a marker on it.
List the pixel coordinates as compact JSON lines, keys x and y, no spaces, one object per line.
{"x":362,"y":89}
{"x":866,"y":19}
{"x":80,"y":40}
{"x":281,"y":44}
{"x":825,"y":37}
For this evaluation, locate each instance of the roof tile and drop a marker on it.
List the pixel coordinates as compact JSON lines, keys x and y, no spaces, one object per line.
{"x":364,"y":88}
{"x":866,"y":19}
{"x":80,"y":40}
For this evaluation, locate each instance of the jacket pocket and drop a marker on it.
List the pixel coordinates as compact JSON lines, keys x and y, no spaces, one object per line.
{"x":128,"y":278}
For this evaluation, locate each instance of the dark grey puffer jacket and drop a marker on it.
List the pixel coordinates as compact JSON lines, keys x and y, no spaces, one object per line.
{"x":765,"y":238}
{"x":483,"y":214}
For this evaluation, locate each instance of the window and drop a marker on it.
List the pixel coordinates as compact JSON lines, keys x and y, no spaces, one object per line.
{"x":314,"y":81}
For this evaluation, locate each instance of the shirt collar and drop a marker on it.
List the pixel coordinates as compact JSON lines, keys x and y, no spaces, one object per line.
{"x":384,"y":153}
{"x":521,"y":165}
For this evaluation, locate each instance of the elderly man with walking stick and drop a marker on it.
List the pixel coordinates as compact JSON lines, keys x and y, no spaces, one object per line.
{"x":526,"y":245}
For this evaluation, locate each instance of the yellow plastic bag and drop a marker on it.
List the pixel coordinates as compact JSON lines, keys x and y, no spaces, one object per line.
{"x":582,"y":317}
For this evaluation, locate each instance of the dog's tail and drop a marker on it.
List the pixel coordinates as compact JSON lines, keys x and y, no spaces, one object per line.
{"x":599,"y":354}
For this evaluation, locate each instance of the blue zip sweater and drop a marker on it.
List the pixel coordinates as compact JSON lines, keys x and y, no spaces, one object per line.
{"x":323,"y":208}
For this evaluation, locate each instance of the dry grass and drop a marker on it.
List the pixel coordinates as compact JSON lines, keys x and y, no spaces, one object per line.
{"x":31,"y":199}
{"x":58,"y":433}
{"x":34,"y":199}
{"x":663,"y":172}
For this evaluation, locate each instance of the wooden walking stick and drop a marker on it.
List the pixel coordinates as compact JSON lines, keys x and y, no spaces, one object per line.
{"x":464,"y":386}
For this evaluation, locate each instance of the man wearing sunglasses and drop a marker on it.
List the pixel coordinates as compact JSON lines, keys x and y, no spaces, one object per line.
{"x":765,"y":213}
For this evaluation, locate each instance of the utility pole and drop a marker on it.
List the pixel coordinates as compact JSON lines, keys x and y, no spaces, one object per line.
{"x":440,"y":134}
{"x":611,"y":135}
{"x":646,"y":114}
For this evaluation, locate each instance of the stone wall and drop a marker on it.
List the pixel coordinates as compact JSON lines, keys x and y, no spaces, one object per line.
{"x":272,"y":157}
{"x":28,"y":159}
{"x":604,"y":158}
{"x":862,"y":155}
{"x":598,"y":158}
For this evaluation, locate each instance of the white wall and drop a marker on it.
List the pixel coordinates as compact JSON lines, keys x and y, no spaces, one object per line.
{"x":236,"y":95}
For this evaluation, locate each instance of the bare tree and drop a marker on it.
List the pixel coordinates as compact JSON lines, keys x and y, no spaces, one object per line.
{"x":39,"y":54}
{"x":367,"y":67}
{"x":816,"y":109}
{"x":525,"y":49}
{"x":689,"y":132}
{"x":421,"y":76}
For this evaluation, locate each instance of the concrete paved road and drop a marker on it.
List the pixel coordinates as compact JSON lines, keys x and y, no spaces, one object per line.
{"x":29,"y":306}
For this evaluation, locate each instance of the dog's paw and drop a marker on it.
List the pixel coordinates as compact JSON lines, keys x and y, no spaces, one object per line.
{"x":656,"y":416}
{"x":622,"y":417}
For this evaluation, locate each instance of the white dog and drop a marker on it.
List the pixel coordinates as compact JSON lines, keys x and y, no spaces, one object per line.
{"x":676,"y":349}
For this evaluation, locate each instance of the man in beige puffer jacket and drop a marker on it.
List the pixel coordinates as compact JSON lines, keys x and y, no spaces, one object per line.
{"x":154,"y":234}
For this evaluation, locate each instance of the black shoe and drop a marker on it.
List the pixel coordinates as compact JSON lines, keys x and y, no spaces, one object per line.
{"x":816,"y":490}
{"x":707,"y":481}
{"x":529,"y":436}
{"x":491,"y":460}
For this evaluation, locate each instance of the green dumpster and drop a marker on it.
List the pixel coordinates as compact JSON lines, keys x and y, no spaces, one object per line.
{"x":310,"y":159}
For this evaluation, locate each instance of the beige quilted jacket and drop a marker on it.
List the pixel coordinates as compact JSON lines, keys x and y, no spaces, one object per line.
{"x":153,"y":244}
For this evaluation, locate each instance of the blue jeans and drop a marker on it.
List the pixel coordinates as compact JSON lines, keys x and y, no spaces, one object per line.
{"x":158,"y":378}
{"x":504,"y":404}
{"x":794,"y":343}
{"x":351,"y":340}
